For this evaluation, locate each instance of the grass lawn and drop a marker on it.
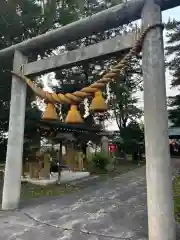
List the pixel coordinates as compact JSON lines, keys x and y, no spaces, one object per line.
{"x":125,"y":167}
{"x":176,"y":188}
{"x":29,"y":190}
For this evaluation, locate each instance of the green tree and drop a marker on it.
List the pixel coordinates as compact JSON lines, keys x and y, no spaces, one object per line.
{"x":20,"y":20}
{"x":123,"y":101}
{"x":12,"y":23}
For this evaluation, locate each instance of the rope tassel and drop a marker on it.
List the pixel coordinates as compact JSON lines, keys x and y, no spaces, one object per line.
{"x":73,"y":116}
{"x":98,"y":103}
{"x":50,"y":113}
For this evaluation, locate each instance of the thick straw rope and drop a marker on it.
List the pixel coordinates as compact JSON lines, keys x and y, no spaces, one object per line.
{"x":78,"y":96}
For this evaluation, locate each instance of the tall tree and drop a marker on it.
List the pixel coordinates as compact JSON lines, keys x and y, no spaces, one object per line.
{"x":17,"y":22}
{"x":124,"y":103}
{"x":20,"y":20}
{"x":123,"y":99}
{"x":23,"y":19}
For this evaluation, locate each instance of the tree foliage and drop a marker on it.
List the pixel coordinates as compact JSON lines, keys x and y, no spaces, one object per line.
{"x":23,"y":19}
{"x":123,"y":99}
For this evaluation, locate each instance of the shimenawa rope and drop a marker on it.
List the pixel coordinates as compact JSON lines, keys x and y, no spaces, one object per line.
{"x":78,"y":96}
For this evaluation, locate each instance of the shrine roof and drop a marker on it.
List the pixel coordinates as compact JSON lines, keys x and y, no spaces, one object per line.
{"x":64,"y":127}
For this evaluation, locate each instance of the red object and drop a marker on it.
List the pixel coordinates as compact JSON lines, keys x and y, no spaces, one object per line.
{"x":112,"y":147}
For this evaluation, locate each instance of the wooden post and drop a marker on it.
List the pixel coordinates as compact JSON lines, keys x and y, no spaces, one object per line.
{"x":105,"y":145}
{"x":59,"y":162}
{"x":13,"y":168}
{"x":161,"y":222}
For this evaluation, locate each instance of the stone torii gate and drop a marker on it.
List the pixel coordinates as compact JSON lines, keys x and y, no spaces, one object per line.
{"x":158,"y":168}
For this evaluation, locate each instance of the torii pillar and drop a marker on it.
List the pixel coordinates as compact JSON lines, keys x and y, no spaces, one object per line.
{"x":13,"y":167}
{"x":161,"y":221}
